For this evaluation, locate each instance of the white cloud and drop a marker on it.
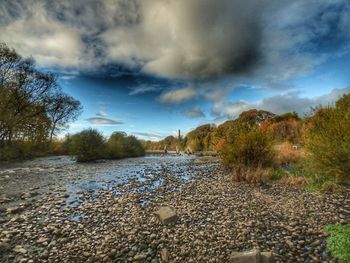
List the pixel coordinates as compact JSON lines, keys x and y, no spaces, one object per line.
{"x":102,"y":113}
{"x":50,"y":42}
{"x":149,"y":136}
{"x":177,"y":96}
{"x":142,"y":89}
{"x":102,"y":121}
{"x":195,"y":112}
{"x":287,"y":102}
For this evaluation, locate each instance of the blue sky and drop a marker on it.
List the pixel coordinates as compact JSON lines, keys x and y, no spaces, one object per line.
{"x":152,"y":67}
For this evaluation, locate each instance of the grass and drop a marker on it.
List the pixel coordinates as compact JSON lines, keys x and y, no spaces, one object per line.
{"x":295,"y":175}
{"x":339,"y":241}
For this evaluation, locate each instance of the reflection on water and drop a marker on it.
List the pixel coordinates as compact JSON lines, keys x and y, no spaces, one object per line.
{"x":63,"y":176}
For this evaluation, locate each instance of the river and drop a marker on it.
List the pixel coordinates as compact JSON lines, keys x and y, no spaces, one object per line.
{"x":61,"y":174}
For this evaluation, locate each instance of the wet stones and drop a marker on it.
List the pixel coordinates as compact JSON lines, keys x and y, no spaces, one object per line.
{"x":166,"y":215}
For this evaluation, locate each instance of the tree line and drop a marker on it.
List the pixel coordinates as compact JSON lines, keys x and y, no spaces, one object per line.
{"x":33,"y":107}
{"x":312,"y":151}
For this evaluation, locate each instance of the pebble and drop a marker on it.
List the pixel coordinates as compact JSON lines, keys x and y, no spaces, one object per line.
{"x":215,"y":217}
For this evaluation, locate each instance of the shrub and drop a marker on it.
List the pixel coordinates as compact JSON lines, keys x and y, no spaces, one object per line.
{"x":116,"y":145}
{"x":133,"y":147}
{"x":339,"y":241}
{"x":119,"y":146}
{"x":328,"y":141}
{"x":252,"y":149}
{"x":88,"y":145}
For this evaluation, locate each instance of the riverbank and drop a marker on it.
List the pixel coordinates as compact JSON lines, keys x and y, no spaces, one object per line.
{"x":115,"y":221}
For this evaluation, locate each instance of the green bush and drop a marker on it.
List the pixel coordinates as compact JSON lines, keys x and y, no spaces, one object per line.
{"x":251,"y":149}
{"x":328,"y":142}
{"x":119,"y":145}
{"x":339,"y":241}
{"x":88,"y":145}
{"x":133,"y":147}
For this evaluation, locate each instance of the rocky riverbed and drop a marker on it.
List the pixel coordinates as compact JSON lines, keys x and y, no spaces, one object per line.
{"x":105,"y":212}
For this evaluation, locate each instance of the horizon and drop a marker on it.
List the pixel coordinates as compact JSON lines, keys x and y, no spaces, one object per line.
{"x":150,"y":68}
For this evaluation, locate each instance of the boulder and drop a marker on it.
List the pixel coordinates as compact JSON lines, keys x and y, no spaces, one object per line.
{"x":267,"y":257}
{"x":164,"y":255}
{"x":252,"y":256}
{"x":166,"y":215}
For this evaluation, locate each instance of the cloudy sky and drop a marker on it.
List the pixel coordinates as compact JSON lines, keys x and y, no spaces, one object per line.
{"x":150,"y":67}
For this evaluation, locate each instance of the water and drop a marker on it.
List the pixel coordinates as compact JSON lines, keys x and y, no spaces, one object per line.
{"x":62,"y":175}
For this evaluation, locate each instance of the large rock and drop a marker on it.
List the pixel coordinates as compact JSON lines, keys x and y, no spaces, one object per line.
{"x":267,"y":257}
{"x":252,"y":256}
{"x":164,"y":255}
{"x":167,"y":215}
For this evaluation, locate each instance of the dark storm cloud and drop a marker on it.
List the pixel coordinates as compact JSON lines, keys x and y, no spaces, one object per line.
{"x":181,"y":39}
{"x":267,"y":41}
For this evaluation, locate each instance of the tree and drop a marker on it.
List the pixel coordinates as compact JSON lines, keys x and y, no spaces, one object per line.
{"x":32,"y":105}
{"x":61,"y":110}
{"x":88,"y":145}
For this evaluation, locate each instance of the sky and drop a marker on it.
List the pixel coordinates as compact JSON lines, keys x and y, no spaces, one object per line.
{"x":151,"y":67}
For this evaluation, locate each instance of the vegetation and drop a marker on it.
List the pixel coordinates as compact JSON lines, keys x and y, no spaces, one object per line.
{"x":250,"y":149}
{"x":33,"y":108}
{"x":327,"y":140}
{"x":87,"y":145}
{"x":119,"y":145}
{"x":90,"y":145}
{"x":339,"y":241}
{"x":313,"y":152}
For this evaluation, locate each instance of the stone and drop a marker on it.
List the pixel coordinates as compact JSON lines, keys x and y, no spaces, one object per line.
{"x":164,"y":255}
{"x":14,"y":210}
{"x":267,"y":257}
{"x":20,"y":249}
{"x":45,"y":254}
{"x":4,"y":247}
{"x":251,"y":256}
{"x":140,"y":257}
{"x":167,"y":215}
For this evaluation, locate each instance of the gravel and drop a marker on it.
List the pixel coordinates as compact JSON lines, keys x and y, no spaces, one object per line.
{"x":215,"y":217}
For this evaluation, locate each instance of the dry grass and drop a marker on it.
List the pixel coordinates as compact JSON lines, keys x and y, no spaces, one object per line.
{"x":287,"y":154}
{"x":296,"y":181}
{"x":250,"y":175}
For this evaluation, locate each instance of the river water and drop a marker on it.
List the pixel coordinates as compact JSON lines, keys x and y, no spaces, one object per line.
{"x":61,"y":175}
